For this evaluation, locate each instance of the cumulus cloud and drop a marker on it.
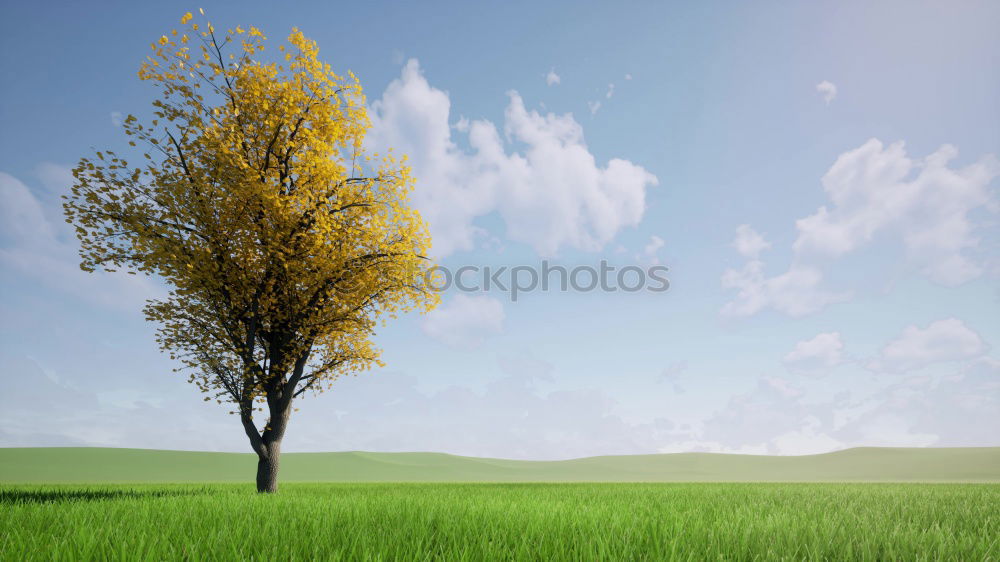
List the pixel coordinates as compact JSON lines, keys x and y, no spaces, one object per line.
{"x":821,"y":352}
{"x":650,"y":251}
{"x":655,"y":243}
{"x":511,"y":417}
{"x":594,"y":107}
{"x":961,"y":409}
{"x":807,"y":439}
{"x":36,"y":245}
{"x":550,"y":194}
{"x":552,"y":78}
{"x":957,"y":410}
{"x":771,"y":418}
{"x":21,"y":215}
{"x":876,"y":189}
{"x":828,"y":90}
{"x":796,"y":293}
{"x":749,"y":243}
{"x":611,"y":91}
{"x":943,"y":340}
{"x":465,"y":321}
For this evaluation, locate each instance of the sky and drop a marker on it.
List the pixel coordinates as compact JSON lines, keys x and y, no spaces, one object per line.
{"x":820,"y":179}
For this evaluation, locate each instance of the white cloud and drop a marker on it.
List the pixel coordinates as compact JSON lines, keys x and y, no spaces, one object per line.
{"x":755,"y":419}
{"x":962,"y":409}
{"x":510,"y":418}
{"x":650,"y":250}
{"x":117,"y":118}
{"x":821,"y":352}
{"x":465,"y":321}
{"x":927,"y":204}
{"x":550,"y":195}
{"x":943,"y":340}
{"x":21,"y":218}
{"x":749,"y":243}
{"x":828,"y":90}
{"x":808,"y":439}
{"x":795,"y":293}
{"x":552,"y":78}
{"x":655,"y":243}
{"x":628,"y":76}
{"x":593,"y":106}
{"x":611,"y":91}
{"x":957,"y":410}
{"x":35,"y":245}
{"x":875,"y":189}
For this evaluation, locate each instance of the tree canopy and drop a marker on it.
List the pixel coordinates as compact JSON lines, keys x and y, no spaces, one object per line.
{"x":283,"y":243}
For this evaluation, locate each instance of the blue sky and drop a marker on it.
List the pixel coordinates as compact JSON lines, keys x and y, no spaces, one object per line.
{"x":820,"y":178}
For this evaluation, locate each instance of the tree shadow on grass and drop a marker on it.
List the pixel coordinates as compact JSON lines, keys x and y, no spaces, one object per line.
{"x":27,"y":496}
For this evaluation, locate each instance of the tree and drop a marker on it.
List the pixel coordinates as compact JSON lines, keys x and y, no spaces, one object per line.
{"x":284,"y":244}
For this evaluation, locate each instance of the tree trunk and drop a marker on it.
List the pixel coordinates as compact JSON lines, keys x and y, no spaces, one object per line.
{"x":267,"y":469}
{"x":267,"y":443}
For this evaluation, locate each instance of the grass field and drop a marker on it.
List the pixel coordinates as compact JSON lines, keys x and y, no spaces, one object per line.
{"x":95,"y":465}
{"x":575,"y":521}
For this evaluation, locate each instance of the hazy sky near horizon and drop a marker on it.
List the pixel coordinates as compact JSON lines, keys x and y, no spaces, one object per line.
{"x":821,"y":180}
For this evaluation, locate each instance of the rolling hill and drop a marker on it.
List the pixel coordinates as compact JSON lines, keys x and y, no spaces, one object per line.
{"x":96,"y":465}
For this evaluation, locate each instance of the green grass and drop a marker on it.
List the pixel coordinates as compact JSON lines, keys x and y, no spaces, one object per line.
{"x":572,"y":521}
{"x":96,"y":465}
{"x":144,"y":517}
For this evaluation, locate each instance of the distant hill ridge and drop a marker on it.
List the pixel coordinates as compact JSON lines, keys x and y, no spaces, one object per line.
{"x":867,"y":464}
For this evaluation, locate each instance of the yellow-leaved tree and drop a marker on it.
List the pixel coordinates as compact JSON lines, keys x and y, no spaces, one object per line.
{"x":284,"y":244}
